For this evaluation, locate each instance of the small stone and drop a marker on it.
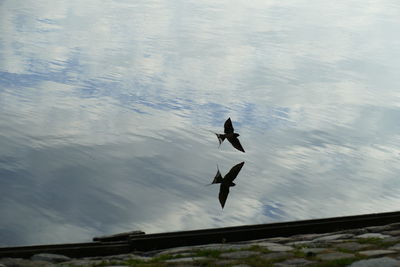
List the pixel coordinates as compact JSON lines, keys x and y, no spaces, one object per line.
{"x":275,"y":247}
{"x":276,"y":255}
{"x":378,"y":252}
{"x":393,"y":232}
{"x":190,"y":259}
{"x":50,"y":257}
{"x":332,"y":237}
{"x":381,"y":262}
{"x":308,"y":237}
{"x":299,"y":243}
{"x":239,"y":254}
{"x":294,"y":262}
{"x":395,"y":247}
{"x":335,"y":256}
{"x":125,"y":257}
{"x":373,"y":235}
{"x":280,"y":248}
{"x":352,"y":246}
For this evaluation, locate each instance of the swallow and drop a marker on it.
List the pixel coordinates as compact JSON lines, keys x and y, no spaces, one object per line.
{"x":226,"y":182}
{"x":230,"y":135}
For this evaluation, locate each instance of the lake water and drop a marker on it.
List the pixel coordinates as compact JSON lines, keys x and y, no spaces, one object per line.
{"x":108,"y":111}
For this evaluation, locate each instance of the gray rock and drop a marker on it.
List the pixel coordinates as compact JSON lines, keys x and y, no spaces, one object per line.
{"x":275,"y":247}
{"x":239,"y":254}
{"x":189,"y":259}
{"x":280,"y":248}
{"x":373,"y":235}
{"x":378,"y":252}
{"x":352,"y":246}
{"x":299,"y":243}
{"x":172,"y":251}
{"x":307,"y":237}
{"x":332,"y":237}
{"x":393,"y":232}
{"x":294,"y":262}
{"x":381,"y":262}
{"x":241,"y":265}
{"x":123,"y":257}
{"x":335,"y":256}
{"x":279,"y":239}
{"x":50,"y":257}
{"x":395,"y":247}
{"x":276,"y":255}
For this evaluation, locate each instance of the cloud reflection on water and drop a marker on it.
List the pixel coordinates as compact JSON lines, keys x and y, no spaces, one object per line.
{"x":106,"y":112}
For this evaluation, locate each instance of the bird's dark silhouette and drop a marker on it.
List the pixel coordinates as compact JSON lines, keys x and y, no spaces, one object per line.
{"x":230,"y":135}
{"x":226,"y":182}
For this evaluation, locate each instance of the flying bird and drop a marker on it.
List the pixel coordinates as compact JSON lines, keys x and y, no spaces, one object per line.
{"x":226,"y":182}
{"x":230,"y":135}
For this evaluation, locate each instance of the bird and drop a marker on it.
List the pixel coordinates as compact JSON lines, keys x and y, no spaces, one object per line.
{"x":226,"y":182}
{"x":230,"y":135}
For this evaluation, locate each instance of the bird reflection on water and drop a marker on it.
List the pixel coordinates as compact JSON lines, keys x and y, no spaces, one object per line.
{"x":226,"y":182}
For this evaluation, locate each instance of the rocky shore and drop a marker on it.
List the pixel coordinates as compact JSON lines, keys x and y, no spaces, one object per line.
{"x":370,"y":246}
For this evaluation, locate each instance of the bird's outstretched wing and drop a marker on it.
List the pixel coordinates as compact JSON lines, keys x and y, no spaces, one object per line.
{"x":233,"y":173}
{"x":236,"y":143}
{"x":228,"y":128}
{"x":223,"y":193}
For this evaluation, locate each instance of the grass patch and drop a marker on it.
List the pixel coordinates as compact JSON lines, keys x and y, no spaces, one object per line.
{"x":211,"y":253}
{"x":257,"y":248}
{"x":256,"y":261}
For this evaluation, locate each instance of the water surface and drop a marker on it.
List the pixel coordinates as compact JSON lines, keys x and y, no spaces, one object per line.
{"x":108,"y":111}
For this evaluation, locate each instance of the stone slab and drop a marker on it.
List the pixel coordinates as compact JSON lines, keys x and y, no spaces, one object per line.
{"x":335,"y":256}
{"x":378,"y":262}
{"x":377,"y":252}
{"x":189,"y":259}
{"x":50,"y":257}
{"x":239,"y":254}
{"x":352,"y":246}
{"x":276,"y":255}
{"x":332,"y":237}
{"x":294,"y":262}
{"x":373,"y":235}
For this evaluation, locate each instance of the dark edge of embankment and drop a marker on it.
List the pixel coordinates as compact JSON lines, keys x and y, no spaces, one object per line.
{"x":138,"y":241}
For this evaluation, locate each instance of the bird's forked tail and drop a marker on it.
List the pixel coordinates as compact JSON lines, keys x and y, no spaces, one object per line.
{"x":221,"y":138}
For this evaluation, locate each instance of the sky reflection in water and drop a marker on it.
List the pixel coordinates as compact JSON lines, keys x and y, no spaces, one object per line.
{"x":107,"y":114}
